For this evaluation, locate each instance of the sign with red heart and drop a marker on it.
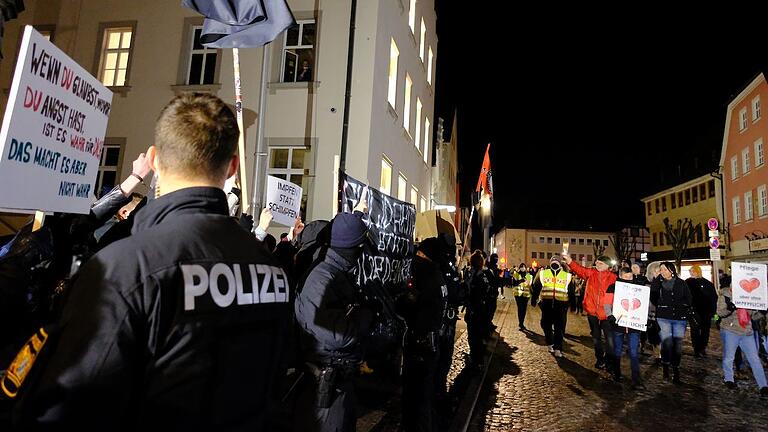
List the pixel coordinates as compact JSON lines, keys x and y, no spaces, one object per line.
{"x":750,"y":290}
{"x":630,"y":305}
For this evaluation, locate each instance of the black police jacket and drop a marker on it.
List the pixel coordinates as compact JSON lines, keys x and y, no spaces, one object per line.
{"x":180,"y":325}
{"x":330,"y":313}
{"x":423,"y":306}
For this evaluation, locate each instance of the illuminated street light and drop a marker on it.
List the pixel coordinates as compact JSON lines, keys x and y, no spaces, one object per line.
{"x":485,"y":202}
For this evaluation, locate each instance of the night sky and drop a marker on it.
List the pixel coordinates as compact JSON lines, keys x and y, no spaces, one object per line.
{"x":588,"y":117}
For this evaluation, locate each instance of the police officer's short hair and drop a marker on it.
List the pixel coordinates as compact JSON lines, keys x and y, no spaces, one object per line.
{"x":196,"y":136}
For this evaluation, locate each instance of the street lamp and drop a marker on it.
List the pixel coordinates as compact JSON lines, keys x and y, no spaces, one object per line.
{"x":485,"y":202}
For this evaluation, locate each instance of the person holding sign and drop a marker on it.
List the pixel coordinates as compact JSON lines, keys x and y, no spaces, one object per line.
{"x":673,"y":301}
{"x":632,"y":335}
{"x":170,"y":327}
{"x":736,"y":331}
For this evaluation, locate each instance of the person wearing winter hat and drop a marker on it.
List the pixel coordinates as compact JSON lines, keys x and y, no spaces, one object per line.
{"x":334,"y":317}
{"x":598,"y":280}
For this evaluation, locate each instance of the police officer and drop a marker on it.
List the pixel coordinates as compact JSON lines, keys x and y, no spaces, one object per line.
{"x":333,"y":316}
{"x":521,"y":280}
{"x":423,"y":308}
{"x":179,"y":326}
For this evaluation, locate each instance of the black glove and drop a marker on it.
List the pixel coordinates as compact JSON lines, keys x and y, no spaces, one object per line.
{"x":612,"y":320}
{"x":374,"y":304}
{"x":246,"y":221}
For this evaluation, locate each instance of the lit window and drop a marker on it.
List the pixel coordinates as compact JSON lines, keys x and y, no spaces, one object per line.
{"x":401,"y":187}
{"x":414,"y":195}
{"x":412,"y":16}
{"x":422,"y":205}
{"x":288,"y":163}
{"x":115,"y":55}
{"x":417,"y":137}
{"x":427,"y":136}
{"x":429,"y":66}
{"x":299,"y":52}
{"x":407,"y":102}
{"x":385,"y":184}
{"x":421,"y":43}
{"x":202,"y":61}
{"x":394,"y":54}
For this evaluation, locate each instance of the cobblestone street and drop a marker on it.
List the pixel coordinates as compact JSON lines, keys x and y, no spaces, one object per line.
{"x":527,"y":389}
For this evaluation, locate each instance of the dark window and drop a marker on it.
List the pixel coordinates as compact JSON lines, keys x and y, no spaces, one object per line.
{"x":557,"y":240}
{"x":687,"y":196}
{"x":654,"y":239}
{"x":649,"y":208}
{"x":663,"y":203}
{"x":661,"y":239}
{"x":680,"y":199}
{"x":702,"y":192}
{"x":711,"y":188}
{"x":694,"y":194}
{"x":657,"y":205}
{"x":673,"y":201}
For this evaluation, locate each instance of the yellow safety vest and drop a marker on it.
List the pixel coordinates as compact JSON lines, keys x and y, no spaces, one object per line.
{"x":524,"y":288}
{"x":554,"y":286}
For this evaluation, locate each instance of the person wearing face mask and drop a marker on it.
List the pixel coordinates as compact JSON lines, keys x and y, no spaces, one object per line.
{"x":550,"y":289}
{"x":598,"y":280}
{"x":673,"y":300}
{"x":521,"y":280}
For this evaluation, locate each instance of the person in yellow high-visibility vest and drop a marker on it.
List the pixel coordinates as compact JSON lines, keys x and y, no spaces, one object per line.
{"x":550,"y":291}
{"x":521,"y":283}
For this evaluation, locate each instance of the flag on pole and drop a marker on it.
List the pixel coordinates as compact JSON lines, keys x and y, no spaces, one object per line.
{"x":485,"y":181}
{"x":241,"y":23}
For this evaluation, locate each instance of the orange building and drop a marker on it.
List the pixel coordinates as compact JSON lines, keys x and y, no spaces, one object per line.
{"x":745,"y":175}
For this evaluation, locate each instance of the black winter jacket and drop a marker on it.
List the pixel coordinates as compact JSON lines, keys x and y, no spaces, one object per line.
{"x":675,"y":303}
{"x":179,"y":326}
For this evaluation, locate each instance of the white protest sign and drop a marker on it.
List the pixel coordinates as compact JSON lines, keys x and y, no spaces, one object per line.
{"x":284,"y":199}
{"x":749,"y":287}
{"x":630,"y":305}
{"x":53,"y":131}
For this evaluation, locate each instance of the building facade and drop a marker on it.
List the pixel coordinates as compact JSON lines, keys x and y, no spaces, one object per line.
{"x":529,"y":246}
{"x":696,"y":200}
{"x":745,"y":176}
{"x":148,"y":51}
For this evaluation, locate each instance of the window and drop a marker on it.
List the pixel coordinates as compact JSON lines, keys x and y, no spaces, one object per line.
{"x":702,"y":192}
{"x":422,"y":52}
{"x":426,"y":139}
{"x":657,"y":205}
{"x":287,"y":163}
{"x":581,"y":242}
{"x":541,"y":240}
{"x":654,"y":239}
{"x":756,"y":108}
{"x":711,"y":186}
{"x":417,"y":137}
{"x":673,"y":201}
{"x":736,"y":204}
{"x":748,"y":210}
{"x":734,"y":168}
{"x":663,"y":203}
{"x":557,"y":240}
{"x":549,"y":240}
{"x":759,"y":154}
{"x":202,"y":61}
{"x":534,"y":255}
{"x":414,"y":195}
{"x":745,"y":165}
{"x":695,"y":194}
{"x":108,"y":175}
{"x":573,"y":241}
{"x":299,"y":51}
{"x":430,"y":59}
{"x":394,"y":55}
{"x":589,"y":242}
{"x":680,"y":199}
{"x":762,"y":201}
{"x":422,"y":205}
{"x":648,"y":204}
{"x":661,"y":239}
{"x":549,"y":255}
{"x":687,"y":197}
{"x":401,"y":187}
{"x":385,"y":182}
{"x":605,"y":243}
{"x":407,"y":102}
{"x":412,"y":16}
{"x":115,"y":55}
{"x":743,"y":119}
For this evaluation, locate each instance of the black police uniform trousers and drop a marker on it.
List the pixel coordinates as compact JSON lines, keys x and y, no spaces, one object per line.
{"x":522,"y":308}
{"x":554,"y":316}
{"x":339,"y":417}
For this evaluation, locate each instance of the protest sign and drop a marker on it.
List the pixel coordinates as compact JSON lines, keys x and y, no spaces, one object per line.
{"x":284,"y":199}
{"x":630,"y":305}
{"x":53,"y":131}
{"x":748,"y":286}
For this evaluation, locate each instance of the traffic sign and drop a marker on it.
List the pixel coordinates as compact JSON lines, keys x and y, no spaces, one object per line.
{"x":714,"y":242}
{"x":712,"y":223}
{"x":714,"y":254}
{"x":714,"y":233}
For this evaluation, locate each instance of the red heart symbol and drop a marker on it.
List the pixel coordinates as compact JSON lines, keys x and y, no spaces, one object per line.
{"x":749,"y":285}
{"x":635,"y":303}
{"x":625,"y":304}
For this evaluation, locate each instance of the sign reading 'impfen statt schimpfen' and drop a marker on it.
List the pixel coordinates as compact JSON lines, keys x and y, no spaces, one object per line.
{"x":53,"y":131}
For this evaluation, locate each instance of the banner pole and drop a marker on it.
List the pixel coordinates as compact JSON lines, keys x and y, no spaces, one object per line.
{"x":39,"y":220}
{"x":241,"y":139}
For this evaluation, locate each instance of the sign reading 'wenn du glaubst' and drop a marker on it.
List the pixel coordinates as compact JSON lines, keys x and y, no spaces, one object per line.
{"x":53,"y":131}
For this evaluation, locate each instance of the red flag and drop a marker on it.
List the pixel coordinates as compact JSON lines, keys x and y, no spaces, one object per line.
{"x":485,"y":174}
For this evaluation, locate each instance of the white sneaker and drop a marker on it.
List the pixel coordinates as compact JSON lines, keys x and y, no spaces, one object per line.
{"x":551,"y":349}
{"x":558,"y":353}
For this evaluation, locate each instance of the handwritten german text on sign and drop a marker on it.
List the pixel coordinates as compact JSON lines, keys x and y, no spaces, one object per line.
{"x":53,"y":131}
{"x":749,"y":287}
{"x":284,"y":199}
{"x":630,"y":305}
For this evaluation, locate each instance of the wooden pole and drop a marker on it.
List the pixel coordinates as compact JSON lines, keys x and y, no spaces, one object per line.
{"x":241,"y":140}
